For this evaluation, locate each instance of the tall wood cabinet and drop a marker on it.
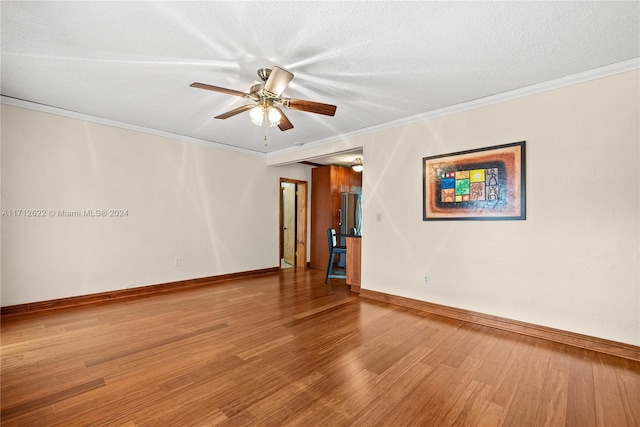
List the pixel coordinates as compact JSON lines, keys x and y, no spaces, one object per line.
{"x":327,"y":182}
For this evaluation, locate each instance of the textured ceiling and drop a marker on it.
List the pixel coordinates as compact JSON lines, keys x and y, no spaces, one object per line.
{"x":132,"y":62}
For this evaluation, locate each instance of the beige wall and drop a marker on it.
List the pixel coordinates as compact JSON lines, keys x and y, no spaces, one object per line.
{"x":573,"y":264}
{"x":215,"y":209}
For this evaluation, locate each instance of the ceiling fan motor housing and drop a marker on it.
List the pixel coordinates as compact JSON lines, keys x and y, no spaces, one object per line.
{"x":257,"y":89}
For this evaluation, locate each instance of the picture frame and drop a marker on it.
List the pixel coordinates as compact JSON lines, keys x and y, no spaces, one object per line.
{"x":481,"y":184}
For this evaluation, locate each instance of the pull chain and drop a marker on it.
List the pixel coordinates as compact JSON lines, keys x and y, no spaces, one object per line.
{"x":265,"y":127}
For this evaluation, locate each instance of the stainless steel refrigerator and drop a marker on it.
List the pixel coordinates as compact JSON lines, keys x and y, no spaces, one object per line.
{"x":350,"y":218}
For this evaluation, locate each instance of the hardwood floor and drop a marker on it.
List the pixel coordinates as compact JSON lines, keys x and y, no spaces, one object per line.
{"x":285,"y":349}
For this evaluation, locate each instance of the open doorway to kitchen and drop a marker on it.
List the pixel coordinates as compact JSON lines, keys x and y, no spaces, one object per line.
{"x":293,"y":223}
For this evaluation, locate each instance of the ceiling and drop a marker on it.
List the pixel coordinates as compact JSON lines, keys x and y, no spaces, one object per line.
{"x":379,"y":62}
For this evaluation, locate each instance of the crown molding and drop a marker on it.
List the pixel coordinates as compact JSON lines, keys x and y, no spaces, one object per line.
{"x":597,"y":73}
{"x":15,"y":102}
{"x":601,"y":72}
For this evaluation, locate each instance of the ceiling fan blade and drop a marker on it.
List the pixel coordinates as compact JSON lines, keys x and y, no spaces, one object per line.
{"x":277,"y":81}
{"x":310,"y":106}
{"x":284,"y":124}
{"x":218,"y":89}
{"x":235,"y":111}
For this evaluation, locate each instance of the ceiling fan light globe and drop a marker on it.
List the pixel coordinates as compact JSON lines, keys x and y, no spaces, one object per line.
{"x":257,"y":115}
{"x":274,"y":116}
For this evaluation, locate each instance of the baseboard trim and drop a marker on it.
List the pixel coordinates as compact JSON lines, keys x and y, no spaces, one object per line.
{"x":587,"y":342}
{"x":120,"y":294}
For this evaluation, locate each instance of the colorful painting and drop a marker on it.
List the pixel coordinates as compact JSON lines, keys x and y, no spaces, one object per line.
{"x":482,"y":184}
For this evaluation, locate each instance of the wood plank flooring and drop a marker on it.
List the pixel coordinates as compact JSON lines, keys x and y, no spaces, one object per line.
{"x":285,"y":349}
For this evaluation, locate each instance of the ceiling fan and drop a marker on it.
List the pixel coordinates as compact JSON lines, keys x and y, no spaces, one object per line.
{"x":267,"y":100}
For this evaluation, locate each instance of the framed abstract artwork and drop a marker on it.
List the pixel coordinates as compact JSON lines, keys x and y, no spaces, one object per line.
{"x":482,"y":184}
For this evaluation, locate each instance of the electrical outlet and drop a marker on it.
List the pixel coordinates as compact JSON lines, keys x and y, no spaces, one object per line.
{"x":178,"y":262}
{"x":379,"y":217}
{"x":426,"y":279}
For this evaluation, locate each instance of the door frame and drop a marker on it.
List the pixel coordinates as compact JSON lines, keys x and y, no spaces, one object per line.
{"x":302,"y":188}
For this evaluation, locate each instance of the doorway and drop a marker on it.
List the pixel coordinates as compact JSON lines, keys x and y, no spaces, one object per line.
{"x":293,"y":223}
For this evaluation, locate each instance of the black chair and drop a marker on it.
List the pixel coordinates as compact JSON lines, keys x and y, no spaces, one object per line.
{"x":333,"y":250}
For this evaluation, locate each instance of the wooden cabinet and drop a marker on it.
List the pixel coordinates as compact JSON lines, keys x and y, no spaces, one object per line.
{"x":327,"y":182}
{"x":354,"y":251}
